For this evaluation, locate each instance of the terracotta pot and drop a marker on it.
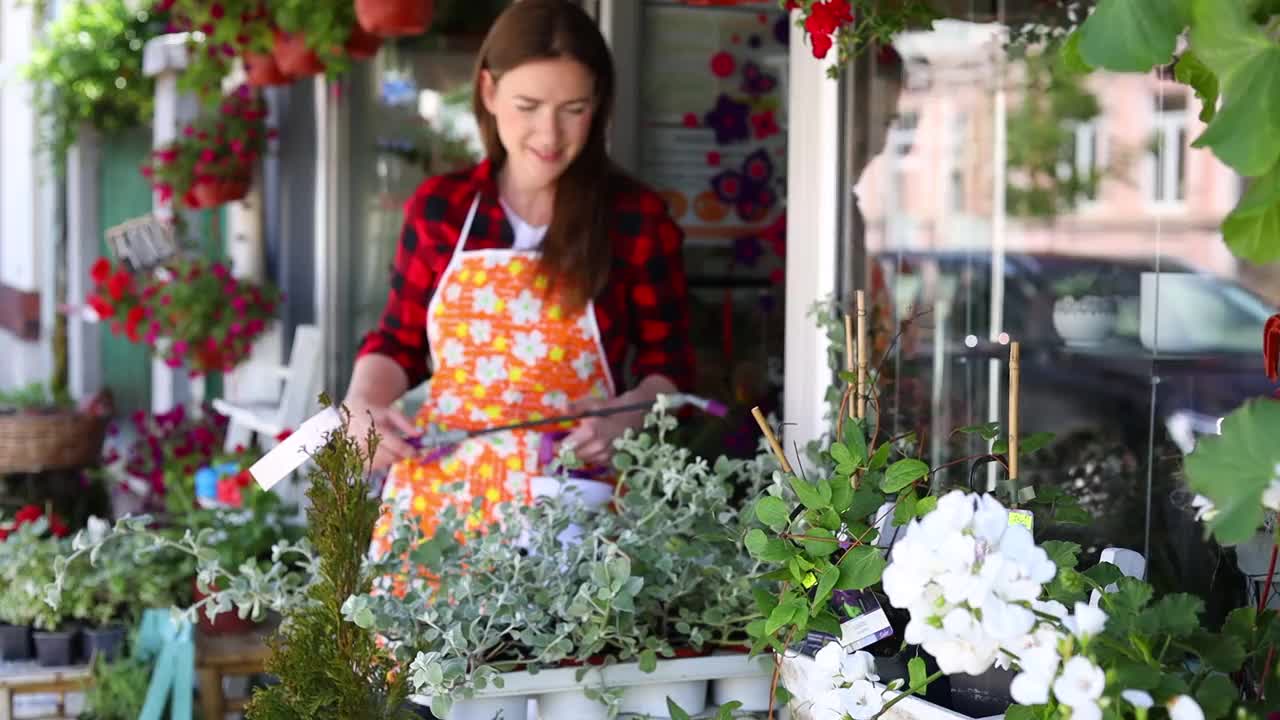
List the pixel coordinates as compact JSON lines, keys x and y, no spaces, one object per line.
{"x":393,"y":18}
{"x":208,"y":194}
{"x":227,"y":623}
{"x":262,"y":70}
{"x":294,"y":57}
{"x":362,"y":44}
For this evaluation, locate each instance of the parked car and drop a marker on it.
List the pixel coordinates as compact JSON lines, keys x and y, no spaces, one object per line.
{"x":1123,"y":410}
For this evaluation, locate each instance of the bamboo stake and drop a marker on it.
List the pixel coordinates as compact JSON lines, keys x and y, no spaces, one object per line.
{"x":773,"y":439}
{"x":862,"y":355}
{"x":849,"y":355}
{"x":1015,"y":370}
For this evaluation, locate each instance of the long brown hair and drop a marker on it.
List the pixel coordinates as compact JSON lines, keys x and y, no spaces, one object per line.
{"x":576,"y":252}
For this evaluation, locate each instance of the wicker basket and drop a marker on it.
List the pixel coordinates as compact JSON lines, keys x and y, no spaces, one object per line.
{"x":36,"y":442}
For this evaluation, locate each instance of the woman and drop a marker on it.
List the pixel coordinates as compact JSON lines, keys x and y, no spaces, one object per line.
{"x":527,"y":280}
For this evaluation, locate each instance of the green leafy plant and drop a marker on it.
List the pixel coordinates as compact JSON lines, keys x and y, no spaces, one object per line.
{"x":636,"y":587}
{"x":35,"y":396}
{"x":1230,"y":60}
{"x":87,"y":69}
{"x":118,"y":690}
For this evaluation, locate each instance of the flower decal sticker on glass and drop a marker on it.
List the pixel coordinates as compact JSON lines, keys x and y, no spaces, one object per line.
{"x":729,"y":120}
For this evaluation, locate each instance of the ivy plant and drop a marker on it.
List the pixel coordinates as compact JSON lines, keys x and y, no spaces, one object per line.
{"x":87,"y":70}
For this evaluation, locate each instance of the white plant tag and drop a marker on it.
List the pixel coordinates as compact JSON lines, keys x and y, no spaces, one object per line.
{"x":869,"y":625}
{"x":295,"y":449}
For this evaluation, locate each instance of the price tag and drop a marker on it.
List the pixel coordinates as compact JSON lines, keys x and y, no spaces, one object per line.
{"x":868,"y":622}
{"x":1023,"y":518}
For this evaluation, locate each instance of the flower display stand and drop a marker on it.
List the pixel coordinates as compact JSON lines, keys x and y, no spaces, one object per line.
{"x":29,"y":679}
{"x":696,"y":684}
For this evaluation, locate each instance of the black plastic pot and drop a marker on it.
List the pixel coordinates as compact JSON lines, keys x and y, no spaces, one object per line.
{"x":981,"y":695}
{"x":106,"y":642}
{"x":15,"y":642}
{"x":55,"y":649}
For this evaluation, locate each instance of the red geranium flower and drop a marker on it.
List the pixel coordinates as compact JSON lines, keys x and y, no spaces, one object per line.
{"x":100,"y":271}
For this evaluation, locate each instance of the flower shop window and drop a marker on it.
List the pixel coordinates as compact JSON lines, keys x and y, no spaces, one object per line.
{"x":1138,"y":330}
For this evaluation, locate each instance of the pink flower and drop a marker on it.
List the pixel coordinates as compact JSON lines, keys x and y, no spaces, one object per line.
{"x":207,"y":155}
{"x":180,"y":347}
{"x":219,"y":271}
{"x":216,"y":11}
{"x":239,"y":305}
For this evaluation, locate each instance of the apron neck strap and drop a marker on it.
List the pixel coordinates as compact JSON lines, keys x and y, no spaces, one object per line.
{"x":466,"y":227}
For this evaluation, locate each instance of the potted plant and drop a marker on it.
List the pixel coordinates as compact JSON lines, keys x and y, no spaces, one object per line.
{"x":320,"y":39}
{"x":86,"y":69}
{"x":219,"y":32}
{"x":213,"y":161}
{"x":393,"y":18}
{"x":1083,"y":314}
{"x":190,"y":310}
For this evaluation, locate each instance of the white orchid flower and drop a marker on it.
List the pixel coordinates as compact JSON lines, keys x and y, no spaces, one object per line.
{"x":861,"y":700}
{"x":1140,"y":699}
{"x":1087,"y":621}
{"x":1080,"y":684}
{"x":1183,"y":707}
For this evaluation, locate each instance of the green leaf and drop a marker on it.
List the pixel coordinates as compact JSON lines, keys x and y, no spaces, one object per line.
{"x":1190,"y":71}
{"x":1252,"y":228}
{"x":1071,"y":58}
{"x":785,"y":614}
{"x":773,"y":511}
{"x":866,"y":501}
{"x":1023,"y":712}
{"x":826,"y":583}
{"x":987,"y":431}
{"x":1245,"y":132}
{"x":1170,"y":685}
{"x":841,"y":494}
{"x":820,"y":548}
{"x":1130,"y":597}
{"x":648,"y":661}
{"x":1177,"y":615}
{"x":814,"y":497}
{"x":675,"y":711}
{"x":902,"y":474}
{"x":1027,"y":444}
{"x":1130,"y":35}
{"x":1234,"y":468}
{"x":1071,"y":514}
{"x":862,"y":567}
{"x":880,"y":458}
{"x":1104,"y":574}
{"x":1135,"y":675}
{"x":1063,"y":554}
{"x":905,"y":511}
{"x":847,"y":460}
{"x":855,"y":439}
{"x":765,"y":601}
{"x":824,"y":518}
{"x":1220,"y":652}
{"x":926,"y":505}
{"x":1067,"y":587}
{"x":916,"y":673}
{"x":825,"y":622}
{"x":1216,"y":695}
{"x":725,"y":712}
{"x":767,"y":549}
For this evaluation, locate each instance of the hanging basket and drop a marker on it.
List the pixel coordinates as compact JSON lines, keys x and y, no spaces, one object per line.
{"x":294,"y":58}
{"x":212,"y":193}
{"x":394,"y":18}
{"x":33,"y":442}
{"x":362,"y":44}
{"x":261,"y":70}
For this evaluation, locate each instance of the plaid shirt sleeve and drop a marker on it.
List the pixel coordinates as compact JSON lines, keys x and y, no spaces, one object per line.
{"x":402,"y":332}
{"x":657,"y":293}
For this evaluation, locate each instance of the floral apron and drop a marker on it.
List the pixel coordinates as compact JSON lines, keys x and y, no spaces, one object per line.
{"x":503,"y":350}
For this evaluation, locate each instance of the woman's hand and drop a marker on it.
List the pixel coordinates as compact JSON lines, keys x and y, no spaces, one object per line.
{"x":592,"y":439}
{"x":391,"y":426}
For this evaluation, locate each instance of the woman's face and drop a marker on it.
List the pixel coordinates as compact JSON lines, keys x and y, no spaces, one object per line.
{"x":543,"y":110}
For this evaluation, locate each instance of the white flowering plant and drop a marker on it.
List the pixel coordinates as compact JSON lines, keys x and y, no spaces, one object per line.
{"x":1085,"y":644}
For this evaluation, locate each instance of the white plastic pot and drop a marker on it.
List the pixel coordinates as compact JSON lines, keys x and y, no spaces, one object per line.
{"x":651,"y":700}
{"x":753,"y":693}
{"x":514,"y":707}
{"x":591,"y":494}
{"x":1085,"y":321}
{"x":570,"y":704}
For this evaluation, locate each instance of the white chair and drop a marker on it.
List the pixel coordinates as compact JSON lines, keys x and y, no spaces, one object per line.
{"x":302,"y":381}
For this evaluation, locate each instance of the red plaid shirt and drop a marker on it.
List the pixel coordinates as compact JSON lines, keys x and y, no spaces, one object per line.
{"x":644,"y":307}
